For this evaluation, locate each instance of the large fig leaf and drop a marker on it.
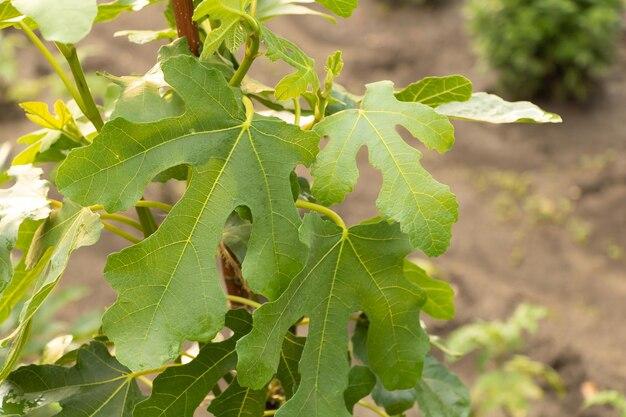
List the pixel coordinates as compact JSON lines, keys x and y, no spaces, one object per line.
{"x":168,"y":285}
{"x":347,"y":271}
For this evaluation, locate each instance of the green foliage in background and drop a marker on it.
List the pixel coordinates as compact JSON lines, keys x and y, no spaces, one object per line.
{"x":508,"y":381}
{"x":547,"y":48}
{"x":184,"y":334}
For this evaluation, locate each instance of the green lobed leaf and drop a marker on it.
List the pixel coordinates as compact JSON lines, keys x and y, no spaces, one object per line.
{"x":240,"y":160}
{"x":395,"y":402}
{"x":424,"y":208}
{"x":359,"y":269}
{"x":230,"y":31}
{"x":288,"y":373}
{"x":238,"y":401}
{"x":97,"y":386}
{"x":484,"y":107}
{"x":440,"y":393}
{"x":178,"y":391}
{"x":439,"y":294}
{"x":297,"y":83}
{"x":361,"y":382}
{"x":434,"y":91}
{"x":65,"y":21}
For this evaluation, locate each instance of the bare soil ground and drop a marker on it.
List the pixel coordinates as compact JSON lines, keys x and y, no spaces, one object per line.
{"x":543,"y":208}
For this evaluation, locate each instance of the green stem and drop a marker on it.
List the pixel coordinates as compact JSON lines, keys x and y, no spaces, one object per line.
{"x":122,"y":219}
{"x":244,"y":301}
{"x":297,"y":111}
{"x":252,"y":50}
{"x":121,"y":233}
{"x":154,"y":204}
{"x":89,"y":105}
{"x":138,"y":374}
{"x":146,"y":219}
{"x":56,"y":66}
{"x":147,"y":382}
{"x":373,"y":408}
{"x":336,"y":218}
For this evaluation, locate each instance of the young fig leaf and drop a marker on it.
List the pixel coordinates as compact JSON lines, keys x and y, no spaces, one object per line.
{"x":424,"y":208}
{"x":297,"y":83}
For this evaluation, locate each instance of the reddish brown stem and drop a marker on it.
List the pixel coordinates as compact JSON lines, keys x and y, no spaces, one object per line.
{"x":231,"y":272}
{"x":183,"y":13}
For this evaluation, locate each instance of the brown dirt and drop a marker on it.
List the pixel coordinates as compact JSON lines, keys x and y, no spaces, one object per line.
{"x":495,"y":263}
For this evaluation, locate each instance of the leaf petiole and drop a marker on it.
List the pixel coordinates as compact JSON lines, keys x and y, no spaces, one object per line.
{"x":121,"y":233}
{"x":88,"y":107}
{"x":373,"y":408}
{"x":336,"y":218}
{"x":252,"y":50}
{"x":122,"y":219}
{"x":244,"y":301}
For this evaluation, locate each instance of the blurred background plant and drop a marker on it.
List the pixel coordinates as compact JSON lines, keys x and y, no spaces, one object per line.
{"x":547,"y":48}
{"x":19,"y":83}
{"x":52,"y":335}
{"x":608,"y":398}
{"x":507,"y":381}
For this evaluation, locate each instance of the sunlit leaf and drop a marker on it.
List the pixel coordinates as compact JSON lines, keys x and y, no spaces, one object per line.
{"x":65,"y":21}
{"x":268,"y":9}
{"x":434,"y":91}
{"x":484,"y":107}
{"x":230,"y":31}
{"x":111,"y":10}
{"x":343,"y":8}
{"x":26,"y":199}
{"x":141,"y":37}
{"x":424,"y":208}
{"x":64,"y":232}
{"x":295,"y":84}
